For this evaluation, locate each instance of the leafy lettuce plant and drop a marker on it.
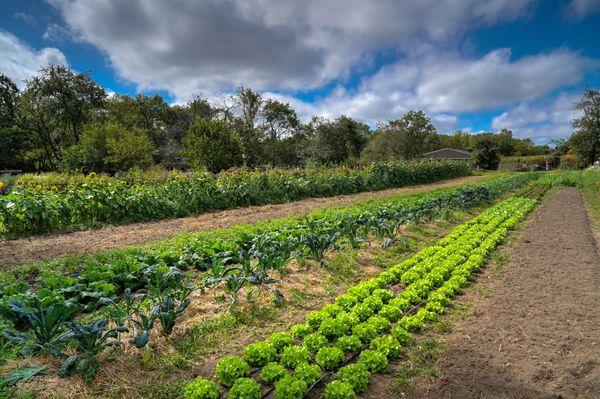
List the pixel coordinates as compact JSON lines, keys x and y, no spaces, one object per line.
{"x":245,"y":388}
{"x":339,"y":390}
{"x":356,"y":375}
{"x":329,"y":358}
{"x":290,"y":388}
{"x":230,"y":368}
{"x":201,"y":389}
{"x":309,"y":373}
{"x":272,"y":373}
{"x":260,"y":353}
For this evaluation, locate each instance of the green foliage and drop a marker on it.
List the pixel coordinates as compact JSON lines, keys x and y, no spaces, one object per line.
{"x":294,"y":355}
{"x":201,"y":389}
{"x":260,"y":353}
{"x":280,"y":340}
{"x":373,"y":360}
{"x":404,"y":138}
{"x":329,"y":358}
{"x":290,"y":388}
{"x":388,"y":345}
{"x":349,"y":343}
{"x":585,"y":141}
{"x":315,"y":341}
{"x":356,"y":375}
{"x":230,"y":368}
{"x":245,"y":388}
{"x":299,"y":331}
{"x":309,"y":373}
{"x":272,"y":373}
{"x":337,"y":141}
{"x":333,"y":328}
{"x":364,"y":331}
{"x":209,"y":144}
{"x":338,"y":390}
{"x":401,"y":335}
{"x":486,"y":154}
{"x":89,"y":340}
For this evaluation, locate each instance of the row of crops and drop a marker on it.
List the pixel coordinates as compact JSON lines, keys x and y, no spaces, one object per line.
{"x":44,"y":207}
{"x":339,"y":347}
{"x":128,"y":300}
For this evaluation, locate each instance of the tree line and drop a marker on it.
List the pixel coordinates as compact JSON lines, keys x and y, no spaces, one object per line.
{"x":63,"y":120}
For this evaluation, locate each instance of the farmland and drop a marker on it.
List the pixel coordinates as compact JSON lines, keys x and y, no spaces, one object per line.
{"x":326,"y":304}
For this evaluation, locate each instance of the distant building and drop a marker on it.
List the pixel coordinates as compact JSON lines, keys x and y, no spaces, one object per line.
{"x":450,"y":154}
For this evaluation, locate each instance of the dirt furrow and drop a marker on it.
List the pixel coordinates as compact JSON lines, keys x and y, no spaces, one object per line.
{"x":537,"y":333}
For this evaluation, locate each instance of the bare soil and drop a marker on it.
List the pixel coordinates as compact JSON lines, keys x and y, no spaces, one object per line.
{"x":16,"y":252}
{"x":536,"y":332}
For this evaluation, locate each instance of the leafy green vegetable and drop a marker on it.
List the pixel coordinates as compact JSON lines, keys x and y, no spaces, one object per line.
{"x":230,"y":368}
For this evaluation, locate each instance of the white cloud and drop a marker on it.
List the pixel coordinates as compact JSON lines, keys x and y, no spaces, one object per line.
{"x":541,"y":120}
{"x":191,"y":46}
{"x":28,"y":18}
{"x":20,"y":62}
{"x":579,"y":9}
{"x":446,"y":85}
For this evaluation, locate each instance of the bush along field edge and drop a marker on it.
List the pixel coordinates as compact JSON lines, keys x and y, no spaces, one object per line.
{"x":340,"y":346}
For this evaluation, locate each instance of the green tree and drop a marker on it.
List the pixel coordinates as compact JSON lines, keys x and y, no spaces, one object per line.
{"x":55,"y":106}
{"x":585,"y":141}
{"x":110,"y":147}
{"x":13,"y":139}
{"x":486,"y":153}
{"x":210,"y":144}
{"x":405,"y":138}
{"x":128,"y":148}
{"x":284,"y":135}
{"x":338,"y":141}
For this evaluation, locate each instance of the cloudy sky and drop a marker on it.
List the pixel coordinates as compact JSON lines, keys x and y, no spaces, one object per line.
{"x":470,"y":64}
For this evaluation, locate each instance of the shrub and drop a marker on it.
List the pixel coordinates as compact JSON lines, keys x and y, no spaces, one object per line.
{"x":201,"y":389}
{"x":330,"y":357}
{"x":356,"y":375}
{"x":290,"y":388}
{"x":338,"y":390}
{"x":260,"y":353}
{"x":230,"y":368}
{"x":272,"y":373}
{"x":245,"y":388}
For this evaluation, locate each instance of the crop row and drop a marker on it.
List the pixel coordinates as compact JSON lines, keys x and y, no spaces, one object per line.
{"x":366,"y":327}
{"x":136,"y":293}
{"x":30,"y":210}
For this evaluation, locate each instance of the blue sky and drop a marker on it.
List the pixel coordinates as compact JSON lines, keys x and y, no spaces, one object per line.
{"x":469,"y":64}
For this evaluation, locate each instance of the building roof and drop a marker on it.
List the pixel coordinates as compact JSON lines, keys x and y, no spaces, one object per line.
{"x":448,"y":153}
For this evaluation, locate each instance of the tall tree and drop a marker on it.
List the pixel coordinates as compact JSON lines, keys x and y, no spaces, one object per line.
{"x":13,"y":139}
{"x":585,"y":141}
{"x":486,"y":152}
{"x":337,"y":141}
{"x":406,"y":138}
{"x":210,"y":144}
{"x":55,"y":106}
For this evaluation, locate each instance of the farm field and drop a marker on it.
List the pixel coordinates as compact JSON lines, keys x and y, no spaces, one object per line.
{"x":18,"y":251}
{"x":385,"y":264}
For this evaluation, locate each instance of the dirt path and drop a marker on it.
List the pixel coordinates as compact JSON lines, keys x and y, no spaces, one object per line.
{"x":15,"y":252}
{"x":537,"y":333}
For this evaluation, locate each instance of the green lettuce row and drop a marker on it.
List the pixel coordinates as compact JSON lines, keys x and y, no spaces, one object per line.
{"x":330,"y":357}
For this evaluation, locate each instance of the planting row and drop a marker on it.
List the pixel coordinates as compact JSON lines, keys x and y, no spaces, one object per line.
{"x":345,"y":342}
{"x":29,"y":209}
{"x":135,"y":293}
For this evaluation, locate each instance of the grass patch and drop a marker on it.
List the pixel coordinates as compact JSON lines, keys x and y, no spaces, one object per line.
{"x":421,"y":359}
